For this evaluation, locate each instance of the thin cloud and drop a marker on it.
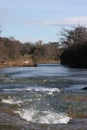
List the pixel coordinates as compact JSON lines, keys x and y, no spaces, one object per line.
{"x":76,"y":20}
{"x":61,"y":21}
{"x":66,"y":21}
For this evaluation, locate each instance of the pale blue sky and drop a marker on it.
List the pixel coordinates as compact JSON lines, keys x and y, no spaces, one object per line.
{"x":33,"y":20}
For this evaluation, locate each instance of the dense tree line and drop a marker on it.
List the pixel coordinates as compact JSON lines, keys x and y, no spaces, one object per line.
{"x":75,"y":56}
{"x":13,"y":49}
{"x":42,"y":51}
{"x":9,"y":49}
{"x":75,"y":52}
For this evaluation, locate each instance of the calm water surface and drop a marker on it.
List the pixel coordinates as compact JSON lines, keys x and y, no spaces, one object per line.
{"x":46,"y":97}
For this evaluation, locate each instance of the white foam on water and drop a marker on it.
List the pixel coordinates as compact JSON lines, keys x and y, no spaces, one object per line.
{"x":43,"y":117}
{"x":11,"y":101}
{"x":49,"y":91}
{"x":13,"y":89}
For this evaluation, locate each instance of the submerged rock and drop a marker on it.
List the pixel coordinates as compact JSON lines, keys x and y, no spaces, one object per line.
{"x":85,"y":88}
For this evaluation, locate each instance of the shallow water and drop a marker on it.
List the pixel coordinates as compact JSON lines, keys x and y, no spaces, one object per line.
{"x":48,"y":97}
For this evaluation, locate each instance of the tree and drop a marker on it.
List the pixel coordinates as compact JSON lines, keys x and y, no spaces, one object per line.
{"x":75,"y":56}
{"x":76,"y":35}
{"x":9,"y":49}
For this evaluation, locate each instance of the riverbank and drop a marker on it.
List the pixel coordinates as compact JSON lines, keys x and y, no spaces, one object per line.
{"x":26,"y":62}
{"x":20,"y":62}
{"x":49,"y":62}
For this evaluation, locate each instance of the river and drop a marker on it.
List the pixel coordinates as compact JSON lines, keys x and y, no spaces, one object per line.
{"x":46,"y":97}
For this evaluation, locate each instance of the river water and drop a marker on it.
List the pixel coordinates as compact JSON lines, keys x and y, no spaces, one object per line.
{"x":46,"y":97}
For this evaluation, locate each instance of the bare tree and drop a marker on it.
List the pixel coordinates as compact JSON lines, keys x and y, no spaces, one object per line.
{"x":76,"y":35}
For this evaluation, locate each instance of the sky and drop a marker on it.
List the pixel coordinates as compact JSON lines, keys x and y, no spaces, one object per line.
{"x":33,"y":20}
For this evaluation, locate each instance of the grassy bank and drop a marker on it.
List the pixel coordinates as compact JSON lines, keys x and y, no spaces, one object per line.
{"x":19,"y":62}
{"x":27,"y":61}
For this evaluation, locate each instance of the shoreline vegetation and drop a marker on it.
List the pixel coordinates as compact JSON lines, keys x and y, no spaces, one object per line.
{"x":25,"y":63}
{"x":75,"y":51}
{"x":18,"y":63}
{"x":72,"y":51}
{"x":75,"y":56}
{"x":14,"y":53}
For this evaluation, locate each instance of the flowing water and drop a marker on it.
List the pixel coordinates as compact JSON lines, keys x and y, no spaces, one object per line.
{"x":46,"y":97}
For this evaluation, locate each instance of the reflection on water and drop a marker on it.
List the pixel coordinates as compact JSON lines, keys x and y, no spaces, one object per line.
{"x":49,"y":94}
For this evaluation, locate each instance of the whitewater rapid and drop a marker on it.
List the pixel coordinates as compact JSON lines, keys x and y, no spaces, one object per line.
{"x":33,"y":112}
